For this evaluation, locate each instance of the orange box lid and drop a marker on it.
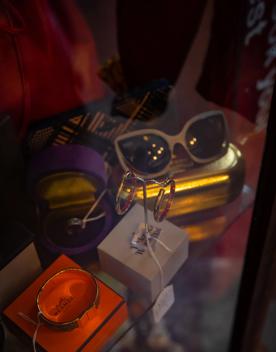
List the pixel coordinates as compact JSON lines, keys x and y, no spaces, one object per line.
{"x":55,"y":340}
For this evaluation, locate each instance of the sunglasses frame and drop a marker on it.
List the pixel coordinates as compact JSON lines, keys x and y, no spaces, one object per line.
{"x":172,"y":141}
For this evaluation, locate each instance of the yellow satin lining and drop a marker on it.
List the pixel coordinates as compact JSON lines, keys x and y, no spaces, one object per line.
{"x":66,"y":189}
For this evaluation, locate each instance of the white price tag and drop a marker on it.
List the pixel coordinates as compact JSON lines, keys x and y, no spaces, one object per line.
{"x":163,"y":303}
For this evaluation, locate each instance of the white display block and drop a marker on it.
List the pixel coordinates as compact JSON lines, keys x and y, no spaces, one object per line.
{"x":139,"y":272}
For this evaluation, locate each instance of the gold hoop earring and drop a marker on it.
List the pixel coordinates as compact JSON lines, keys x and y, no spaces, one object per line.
{"x":159,"y":214}
{"x":123,"y":208}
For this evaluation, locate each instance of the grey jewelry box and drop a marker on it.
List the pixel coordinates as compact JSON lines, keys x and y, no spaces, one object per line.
{"x":138,"y":271}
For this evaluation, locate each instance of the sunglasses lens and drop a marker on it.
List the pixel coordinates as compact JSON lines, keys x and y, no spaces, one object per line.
{"x":206,"y":138}
{"x":147,"y":153}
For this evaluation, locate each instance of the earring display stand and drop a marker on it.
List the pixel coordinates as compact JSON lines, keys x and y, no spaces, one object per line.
{"x":145,"y":230}
{"x":145,"y":233}
{"x":123,"y":253}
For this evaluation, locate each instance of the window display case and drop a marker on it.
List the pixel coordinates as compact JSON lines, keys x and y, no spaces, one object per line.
{"x":132,"y":137}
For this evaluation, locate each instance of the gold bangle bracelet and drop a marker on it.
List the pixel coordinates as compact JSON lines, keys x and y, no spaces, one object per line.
{"x":67,"y":297}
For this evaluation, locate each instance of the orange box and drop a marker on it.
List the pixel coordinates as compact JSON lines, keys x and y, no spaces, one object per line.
{"x":92,"y":337}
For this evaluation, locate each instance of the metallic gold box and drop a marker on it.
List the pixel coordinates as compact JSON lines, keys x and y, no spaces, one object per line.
{"x":205,"y":187}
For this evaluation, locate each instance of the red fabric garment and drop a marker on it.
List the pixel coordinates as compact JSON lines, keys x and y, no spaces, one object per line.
{"x":48,"y":61}
{"x":240,"y":66}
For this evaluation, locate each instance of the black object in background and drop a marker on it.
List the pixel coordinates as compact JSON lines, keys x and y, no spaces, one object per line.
{"x":11,"y":172}
{"x":154,"y":37}
{"x":16,"y":210}
{"x":2,"y":337}
{"x":258,"y":277}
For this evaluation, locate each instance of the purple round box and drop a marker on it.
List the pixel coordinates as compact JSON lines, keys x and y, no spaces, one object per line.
{"x":52,"y":238}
